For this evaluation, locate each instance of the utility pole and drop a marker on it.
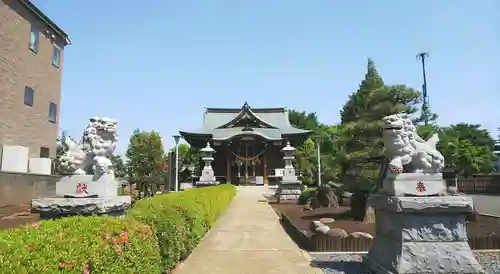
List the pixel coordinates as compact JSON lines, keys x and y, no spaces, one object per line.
{"x":425,"y":100}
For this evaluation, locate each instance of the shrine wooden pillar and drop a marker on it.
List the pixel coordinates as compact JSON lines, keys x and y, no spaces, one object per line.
{"x":228,"y":166}
{"x":264,"y":165}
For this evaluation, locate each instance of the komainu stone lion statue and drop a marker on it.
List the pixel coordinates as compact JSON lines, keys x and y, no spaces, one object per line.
{"x":95,"y":150}
{"x":407,"y":149}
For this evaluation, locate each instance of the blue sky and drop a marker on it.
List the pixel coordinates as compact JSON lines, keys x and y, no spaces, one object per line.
{"x":156,"y":65}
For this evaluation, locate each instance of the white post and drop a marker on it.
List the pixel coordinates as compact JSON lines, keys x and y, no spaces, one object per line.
{"x":176,"y":139}
{"x":318,"y":151}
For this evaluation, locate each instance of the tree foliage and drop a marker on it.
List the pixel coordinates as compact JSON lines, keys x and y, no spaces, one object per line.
{"x":352,"y":152}
{"x":189,"y":160}
{"x":61,"y":149}
{"x":360,"y":139}
{"x":467,"y":148}
{"x":145,"y":156}
{"x":306,"y":156}
{"x":303,"y":120}
{"x":119,"y":167}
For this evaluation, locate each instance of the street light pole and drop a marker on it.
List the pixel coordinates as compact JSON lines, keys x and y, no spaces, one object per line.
{"x":176,"y":139}
{"x":425,"y":100}
{"x":318,"y":149}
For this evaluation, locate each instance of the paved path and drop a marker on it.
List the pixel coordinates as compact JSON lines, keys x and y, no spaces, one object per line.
{"x":248,"y":239}
{"x":486,"y":204}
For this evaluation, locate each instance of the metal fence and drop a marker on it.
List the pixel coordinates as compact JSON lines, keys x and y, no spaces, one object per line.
{"x":479,"y":184}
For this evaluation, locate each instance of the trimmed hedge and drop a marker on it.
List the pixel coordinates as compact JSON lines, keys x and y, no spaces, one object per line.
{"x":181,"y":219}
{"x":155,"y":235}
{"x":80,"y":245}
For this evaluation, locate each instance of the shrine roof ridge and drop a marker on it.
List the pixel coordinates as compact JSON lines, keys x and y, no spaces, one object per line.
{"x":237,"y":110}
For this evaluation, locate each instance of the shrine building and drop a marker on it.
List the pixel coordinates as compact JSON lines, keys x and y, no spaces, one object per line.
{"x":247,"y":141}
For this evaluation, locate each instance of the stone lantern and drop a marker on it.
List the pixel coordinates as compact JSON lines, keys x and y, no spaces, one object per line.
{"x":289,"y":186}
{"x":207,"y":177}
{"x":289,"y":172}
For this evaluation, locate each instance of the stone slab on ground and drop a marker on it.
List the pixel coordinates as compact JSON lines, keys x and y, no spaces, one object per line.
{"x":53,"y":207}
{"x":247,"y":239}
{"x":336,"y":263}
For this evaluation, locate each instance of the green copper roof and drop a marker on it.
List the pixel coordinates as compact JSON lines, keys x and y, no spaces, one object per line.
{"x":217,"y":123}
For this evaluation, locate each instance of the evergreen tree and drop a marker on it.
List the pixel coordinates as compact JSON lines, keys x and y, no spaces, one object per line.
{"x":145,"y":156}
{"x":358,"y":101}
{"x":360,"y":137}
{"x":426,"y":114}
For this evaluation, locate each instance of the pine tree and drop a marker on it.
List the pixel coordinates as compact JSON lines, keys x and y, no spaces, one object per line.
{"x":357,"y":100}
{"x":360,"y":136}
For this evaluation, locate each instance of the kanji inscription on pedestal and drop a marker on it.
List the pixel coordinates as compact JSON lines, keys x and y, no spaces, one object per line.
{"x":81,"y":189}
{"x":420,"y":186}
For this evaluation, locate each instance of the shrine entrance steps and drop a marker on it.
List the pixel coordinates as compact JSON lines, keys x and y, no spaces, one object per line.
{"x":247,"y":239}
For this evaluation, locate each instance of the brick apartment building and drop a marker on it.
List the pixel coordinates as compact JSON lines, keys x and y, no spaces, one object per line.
{"x":31,"y":57}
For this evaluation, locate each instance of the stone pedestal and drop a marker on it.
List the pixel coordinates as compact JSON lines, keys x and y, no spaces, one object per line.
{"x":289,"y":186}
{"x":421,"y":235}
{"x":288,"y":190}
{"x":207,"y":177}
{"x":83,"y":195}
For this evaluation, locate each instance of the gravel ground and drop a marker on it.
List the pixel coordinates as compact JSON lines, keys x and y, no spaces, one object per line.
{"x":351,"y":263}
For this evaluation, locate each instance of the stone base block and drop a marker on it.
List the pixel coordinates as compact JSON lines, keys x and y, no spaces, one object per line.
{"x":415,"y":184}
{"x":423,"y":257}
{"x":81,"y":186}
{"x":63,"y":207}
{"x":206,"y":183}
{"x":288,"y":190}
{"x":421,"y":235}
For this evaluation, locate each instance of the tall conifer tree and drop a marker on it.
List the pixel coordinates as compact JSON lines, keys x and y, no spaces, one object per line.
{"x":361,"y":138}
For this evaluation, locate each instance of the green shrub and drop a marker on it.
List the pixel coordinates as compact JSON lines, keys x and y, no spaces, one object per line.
{"x":77,"y":244}
{"x":181,"y":219}
{"x":305,"y":195}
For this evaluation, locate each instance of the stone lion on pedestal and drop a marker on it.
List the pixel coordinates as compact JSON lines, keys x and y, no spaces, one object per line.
{"x":407,"y":149}
{"x":95,"y":150}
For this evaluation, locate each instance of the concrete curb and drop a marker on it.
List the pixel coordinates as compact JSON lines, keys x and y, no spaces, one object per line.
{"x":486,"y":251}
{"x":365,"y":252}
{"x":306,"y":255}
{"x":489,"y":215}
{"x":340,"y":253}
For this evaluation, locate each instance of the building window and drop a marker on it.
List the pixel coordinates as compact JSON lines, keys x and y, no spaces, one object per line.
{"x":29,"y":96}
{"x":52,"y":112}
{"x":56,"y":56}
{"x":44,"y":152}
{"x":34,"y":35}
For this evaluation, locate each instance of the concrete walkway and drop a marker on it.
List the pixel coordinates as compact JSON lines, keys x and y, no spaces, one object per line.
{"x":247,"y":239}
